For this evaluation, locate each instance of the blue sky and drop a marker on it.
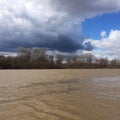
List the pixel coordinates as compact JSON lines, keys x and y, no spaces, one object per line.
{"x":91,"y":28}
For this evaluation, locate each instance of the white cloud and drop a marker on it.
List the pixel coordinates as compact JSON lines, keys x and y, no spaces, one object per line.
{"x":103,"y":34}
{"x":109,"y":46}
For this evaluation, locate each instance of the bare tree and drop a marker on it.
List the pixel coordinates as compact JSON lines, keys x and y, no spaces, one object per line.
{"x":59,"y":59}
{"x":103,"y":62}
{"x":24,"y":53}
{"x":89,"y":58}
{"x":38,"y":53}
{"x":39,"y":58}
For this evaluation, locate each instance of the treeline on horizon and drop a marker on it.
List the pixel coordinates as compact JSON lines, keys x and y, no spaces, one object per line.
{"x":38,"y":59}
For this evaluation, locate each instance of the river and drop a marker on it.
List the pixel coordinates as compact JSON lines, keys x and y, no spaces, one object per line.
{"x":39,"y":96}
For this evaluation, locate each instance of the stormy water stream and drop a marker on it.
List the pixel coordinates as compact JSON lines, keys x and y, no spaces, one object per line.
{"x":73,"y":99}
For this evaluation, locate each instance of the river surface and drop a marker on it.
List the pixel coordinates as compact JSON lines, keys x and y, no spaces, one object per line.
{"x":69,"y":99}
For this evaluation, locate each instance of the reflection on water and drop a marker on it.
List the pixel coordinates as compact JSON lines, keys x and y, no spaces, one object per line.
{"x":77,"y":99}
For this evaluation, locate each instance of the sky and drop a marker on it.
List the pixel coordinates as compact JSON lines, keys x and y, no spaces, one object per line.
{"x":66,"y":26}
{"x":106,"y":22}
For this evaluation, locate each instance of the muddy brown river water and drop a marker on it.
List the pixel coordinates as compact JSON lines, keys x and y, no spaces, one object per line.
{"x":60,"y":95}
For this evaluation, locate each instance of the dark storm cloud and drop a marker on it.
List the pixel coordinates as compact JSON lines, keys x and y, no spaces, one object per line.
{"x":66,"y":44}
{"x":53,"y":24}
{"x":62,"y":43}
{"x":87,"y":8}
